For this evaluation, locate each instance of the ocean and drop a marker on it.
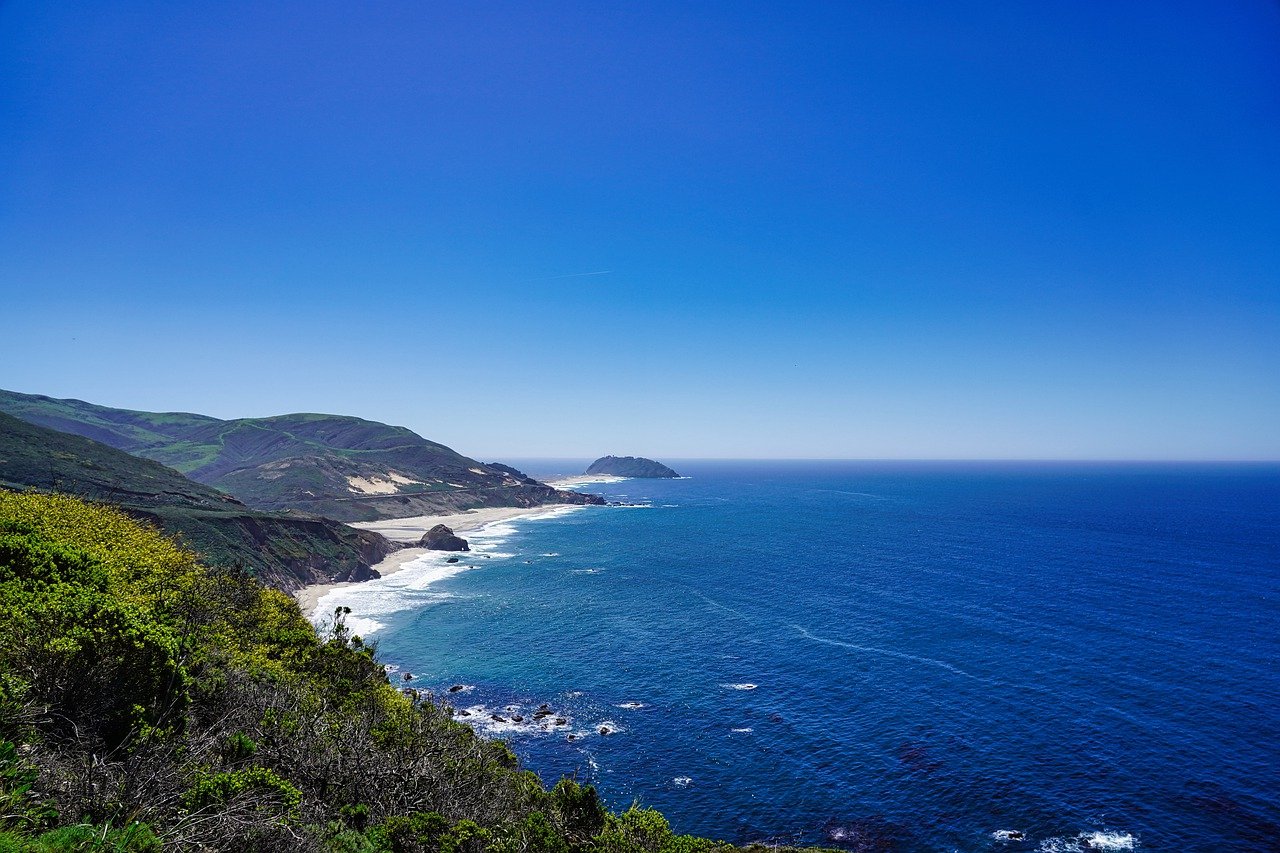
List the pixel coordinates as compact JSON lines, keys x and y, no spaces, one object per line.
{"x":880,"y":656}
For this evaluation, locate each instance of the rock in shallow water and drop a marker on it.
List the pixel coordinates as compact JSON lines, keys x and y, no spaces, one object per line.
{"x":441,"y":538}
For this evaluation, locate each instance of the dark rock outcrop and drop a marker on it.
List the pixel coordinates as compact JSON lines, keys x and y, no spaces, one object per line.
{"x":631,"y":466}
{"x":441,"y":538}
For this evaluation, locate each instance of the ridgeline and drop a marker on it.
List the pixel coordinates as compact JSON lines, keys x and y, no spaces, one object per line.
{"x":334,"y":466}
{"x":286,"y":550}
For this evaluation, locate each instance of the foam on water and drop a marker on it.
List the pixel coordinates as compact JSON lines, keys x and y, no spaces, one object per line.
{"x":745,"y":685}
{"x":1086,"y":841}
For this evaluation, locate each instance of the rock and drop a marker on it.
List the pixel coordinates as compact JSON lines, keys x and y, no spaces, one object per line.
{"x":572,"y":737}
{"x":408,"y":676}
{"x":452,"y":560}
{"x":561,"y":721}
{"x":605,"y":730}
{"x":517,"y":719}
{"x":631,"y":466}
{"x":441,"y":538}
{"x":464,"y":713}
{"x":457,"y":688}
{"x":497,"y":718}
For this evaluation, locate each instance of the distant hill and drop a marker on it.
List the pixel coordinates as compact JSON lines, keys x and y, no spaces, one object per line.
{"x":330,"y":465}
{"x":285,"y":550}
{"x":631,"y":466}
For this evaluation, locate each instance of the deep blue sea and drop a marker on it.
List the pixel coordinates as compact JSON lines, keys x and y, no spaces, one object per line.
{"x":882,"y":656}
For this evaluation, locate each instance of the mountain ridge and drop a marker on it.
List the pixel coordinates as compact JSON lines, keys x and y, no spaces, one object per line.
{"x":286,"y":550}
{"x":337,"y":466}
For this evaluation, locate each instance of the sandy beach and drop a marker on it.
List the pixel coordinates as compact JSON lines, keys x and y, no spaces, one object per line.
{"x":411,"y":530}
{"x":583,"y":480}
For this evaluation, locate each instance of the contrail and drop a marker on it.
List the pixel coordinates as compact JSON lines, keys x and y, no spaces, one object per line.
{"x":570,"y":275}
{"x":603,"y":272}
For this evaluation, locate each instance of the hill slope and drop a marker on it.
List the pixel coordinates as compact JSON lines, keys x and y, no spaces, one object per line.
{"x":286,"y":551}
{"x":340,"y":467}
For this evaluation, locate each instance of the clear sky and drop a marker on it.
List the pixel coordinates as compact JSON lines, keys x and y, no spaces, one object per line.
{"x":740,"y":229}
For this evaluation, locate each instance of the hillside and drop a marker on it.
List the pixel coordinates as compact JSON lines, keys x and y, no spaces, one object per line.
{"x":151,"y":703}
{"x":284,"y":550}
{"x":631,"y":466}
{"x":332,"y":465}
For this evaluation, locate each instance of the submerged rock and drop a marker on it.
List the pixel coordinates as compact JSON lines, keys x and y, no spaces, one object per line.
{"x":441,"y":538}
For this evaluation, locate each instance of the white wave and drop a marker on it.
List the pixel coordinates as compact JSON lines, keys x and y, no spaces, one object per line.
{"x":1008,"y":835}
{"x":550,"y":554}
{"x":743,"y":730}
{"x":1109,"y":840}
{"x":511,"y":720}
{"x":745,"y":685}
{"x":682,"y":781}
{"x":886,"y":652}
{"x":586,"y":571}
{"x":630,"y":706}
{"x":1085,"y":841}
{"x":373,"y":600}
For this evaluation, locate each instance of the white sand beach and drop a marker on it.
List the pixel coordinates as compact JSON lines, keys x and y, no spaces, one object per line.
{"x":583,"y":480}
{"x":411,"y":530}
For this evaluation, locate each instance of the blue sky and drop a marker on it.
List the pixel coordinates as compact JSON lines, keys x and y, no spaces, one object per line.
{"x":871,"y":229}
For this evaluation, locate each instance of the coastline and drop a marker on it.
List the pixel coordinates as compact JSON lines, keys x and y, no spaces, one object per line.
{"x":410,"y":530}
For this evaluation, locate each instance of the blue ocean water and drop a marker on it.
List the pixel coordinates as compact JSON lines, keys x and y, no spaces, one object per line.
{"x":883,"y":656}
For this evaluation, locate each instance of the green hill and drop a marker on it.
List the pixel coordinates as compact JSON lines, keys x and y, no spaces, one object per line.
{"x":336,"y":466}
{"x":285,"y":550}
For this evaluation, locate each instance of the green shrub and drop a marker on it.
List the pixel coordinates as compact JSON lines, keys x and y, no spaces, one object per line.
{"x":218,"y":790}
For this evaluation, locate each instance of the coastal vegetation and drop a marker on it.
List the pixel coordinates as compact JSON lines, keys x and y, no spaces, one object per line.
{"x":285,"y":550}
{"x":631,"y":466}
{"x":334,"y":466}
{"x":150,"y":702}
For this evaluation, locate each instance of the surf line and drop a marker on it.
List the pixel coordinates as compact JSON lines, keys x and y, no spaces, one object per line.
{"x":888,"y":652}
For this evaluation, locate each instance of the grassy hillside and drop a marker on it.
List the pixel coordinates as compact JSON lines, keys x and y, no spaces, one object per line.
{"x":150,"y":703}
{"x":331,"y":465}
{"x":285,"y":550}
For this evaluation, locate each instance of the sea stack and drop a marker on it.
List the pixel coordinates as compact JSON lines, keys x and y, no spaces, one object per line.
{"x":441,"y":538}
{"x":631,"y":466}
